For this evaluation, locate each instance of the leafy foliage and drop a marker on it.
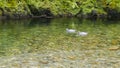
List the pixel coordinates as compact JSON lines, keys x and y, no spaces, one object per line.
{"x":59,"y":7}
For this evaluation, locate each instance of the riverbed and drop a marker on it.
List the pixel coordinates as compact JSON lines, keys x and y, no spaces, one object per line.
{"x":44,"y":43}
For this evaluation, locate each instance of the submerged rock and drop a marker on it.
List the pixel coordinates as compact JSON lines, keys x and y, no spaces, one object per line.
{"x":70,"y":30}
{"x":114,"y":48}
{"x":82,"y":33}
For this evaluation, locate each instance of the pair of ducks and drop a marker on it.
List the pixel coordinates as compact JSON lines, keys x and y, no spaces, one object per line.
{"x":78,"y":33}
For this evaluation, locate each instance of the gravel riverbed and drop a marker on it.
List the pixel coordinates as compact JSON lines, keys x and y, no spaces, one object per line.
{"x":64,"y":59}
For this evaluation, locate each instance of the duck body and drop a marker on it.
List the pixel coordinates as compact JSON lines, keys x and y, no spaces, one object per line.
{"x":70,"y":30}
{"x":82,"y":33}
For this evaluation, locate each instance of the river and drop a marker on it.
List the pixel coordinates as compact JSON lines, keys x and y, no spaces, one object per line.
{"x":37,"y":35}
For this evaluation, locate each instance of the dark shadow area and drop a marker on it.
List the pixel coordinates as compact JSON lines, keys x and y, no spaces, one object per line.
{"x":41,"y":12}
{"x":39,"y":21}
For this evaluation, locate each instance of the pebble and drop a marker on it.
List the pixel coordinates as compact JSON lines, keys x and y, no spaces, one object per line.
{"x":114,"y":48}
{"x":62,"y":59}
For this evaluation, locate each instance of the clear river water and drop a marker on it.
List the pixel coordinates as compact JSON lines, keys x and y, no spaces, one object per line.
{"x":45,"y":43}
{"x":35,"y":35}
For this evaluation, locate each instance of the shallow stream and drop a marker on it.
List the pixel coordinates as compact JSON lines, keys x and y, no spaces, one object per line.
{"x":37,"y":35}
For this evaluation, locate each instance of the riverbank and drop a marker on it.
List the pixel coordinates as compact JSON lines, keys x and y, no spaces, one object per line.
{"x":53,"y":9}
{"x":64,"y":59}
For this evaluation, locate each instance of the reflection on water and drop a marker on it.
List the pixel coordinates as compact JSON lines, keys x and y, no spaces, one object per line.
{"x":41,"y":21}
{"x":32,"y":35}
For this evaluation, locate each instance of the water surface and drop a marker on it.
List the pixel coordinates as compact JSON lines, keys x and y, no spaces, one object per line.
{"x":34,"y":35}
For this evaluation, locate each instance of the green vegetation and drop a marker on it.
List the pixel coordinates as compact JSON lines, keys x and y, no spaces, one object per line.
{"x":13,"y":8}
{"x":21,"y":8}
